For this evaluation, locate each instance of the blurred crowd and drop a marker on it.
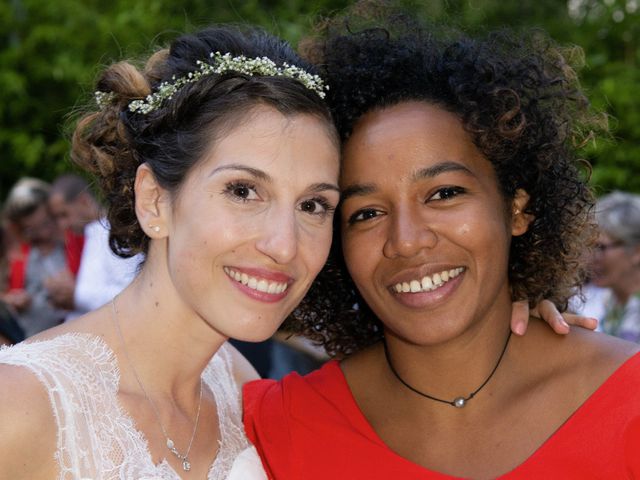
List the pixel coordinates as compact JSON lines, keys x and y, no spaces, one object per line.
{"x":55,"y":260}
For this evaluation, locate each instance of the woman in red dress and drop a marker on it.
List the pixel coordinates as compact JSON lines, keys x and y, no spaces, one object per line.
{"x":461,"y":192}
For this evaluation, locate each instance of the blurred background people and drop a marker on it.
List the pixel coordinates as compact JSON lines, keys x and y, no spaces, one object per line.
{"x":10,"y":331}
{"x":613,"y":295}
{"x":41,"y":256}
{"x":102,"y":274}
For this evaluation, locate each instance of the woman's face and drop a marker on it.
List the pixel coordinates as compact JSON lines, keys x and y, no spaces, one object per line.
{"x":251,"y":225}
{"x":425,"y":229}
{"x":613,"y":262}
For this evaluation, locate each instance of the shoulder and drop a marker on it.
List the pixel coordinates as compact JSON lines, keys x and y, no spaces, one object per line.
{"x":597,"y":354}
{"x":578,"y":363}
{"x":28,"y":425}
{"x":275,"y":403}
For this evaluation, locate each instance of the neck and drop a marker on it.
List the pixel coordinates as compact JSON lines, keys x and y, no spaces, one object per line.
{"x":168,"y":344}
{"x":453,"y":368}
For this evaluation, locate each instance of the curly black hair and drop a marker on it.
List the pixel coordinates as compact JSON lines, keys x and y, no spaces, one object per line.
{"x":518,"y":97}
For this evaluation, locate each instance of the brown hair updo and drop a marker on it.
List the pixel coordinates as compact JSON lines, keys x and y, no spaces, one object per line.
{"x":112,"y":142}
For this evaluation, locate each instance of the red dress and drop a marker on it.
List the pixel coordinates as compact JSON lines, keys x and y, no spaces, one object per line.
{"x":308,"y":428}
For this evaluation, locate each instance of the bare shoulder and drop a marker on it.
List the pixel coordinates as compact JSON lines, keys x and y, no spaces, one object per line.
{"x":598,"y":349}
{"x":28,"y":425}
{"x":242,"y":370}
{"x":585,"y":358}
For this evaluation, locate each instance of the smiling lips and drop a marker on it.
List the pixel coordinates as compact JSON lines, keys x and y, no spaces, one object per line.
{"x":427,"y":283}
{"x":255,"y":283}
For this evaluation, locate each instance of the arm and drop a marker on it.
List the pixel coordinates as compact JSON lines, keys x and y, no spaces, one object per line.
{"x":550,"y":314}
{"x":28,"y":439}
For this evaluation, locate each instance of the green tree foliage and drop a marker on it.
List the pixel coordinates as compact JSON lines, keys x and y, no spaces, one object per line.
{"x":609,"y":33}
{"x":50,"y":52}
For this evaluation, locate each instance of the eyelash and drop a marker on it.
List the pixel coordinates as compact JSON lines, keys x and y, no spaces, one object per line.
{"x":451,"y":192}
{"x":327,"y":207}
{"x":446,"y":192}
{"x":354,"y":217}
{"x":229,"y":190}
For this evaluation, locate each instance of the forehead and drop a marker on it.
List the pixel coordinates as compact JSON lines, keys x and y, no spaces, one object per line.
{"x":400,"y":140}
{"x":299,"y":146}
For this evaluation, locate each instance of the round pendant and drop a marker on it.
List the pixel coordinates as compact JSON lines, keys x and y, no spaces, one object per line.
{"x":459,"y":402}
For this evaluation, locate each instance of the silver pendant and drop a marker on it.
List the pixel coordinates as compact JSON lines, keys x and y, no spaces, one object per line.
{"x":186,"y":466}
{"x":459,"y":402}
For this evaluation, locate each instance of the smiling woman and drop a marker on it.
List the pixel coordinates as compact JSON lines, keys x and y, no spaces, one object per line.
{"x":219,"y":161}
{"x":462,"y":191}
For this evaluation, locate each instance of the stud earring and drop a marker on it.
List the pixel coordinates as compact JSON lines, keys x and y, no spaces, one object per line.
{"x":155,"y":228}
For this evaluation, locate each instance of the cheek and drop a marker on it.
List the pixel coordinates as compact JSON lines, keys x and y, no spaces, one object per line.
{"x":316,"y":248}
{"x":357,"y":258}
{"x":463,"y":229}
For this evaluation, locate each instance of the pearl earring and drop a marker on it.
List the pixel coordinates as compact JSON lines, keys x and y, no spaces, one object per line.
{"x":155,"y":228}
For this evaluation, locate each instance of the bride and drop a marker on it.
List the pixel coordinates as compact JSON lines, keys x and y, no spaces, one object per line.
{"x":219,"y":161}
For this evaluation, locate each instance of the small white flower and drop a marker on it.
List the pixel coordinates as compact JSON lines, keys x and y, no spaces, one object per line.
{"x":222,"y":64}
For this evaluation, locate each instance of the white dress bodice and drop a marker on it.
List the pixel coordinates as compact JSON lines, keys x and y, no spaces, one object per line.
{"x":96,"y":438}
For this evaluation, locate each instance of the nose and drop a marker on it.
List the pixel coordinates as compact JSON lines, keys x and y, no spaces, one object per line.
{"x":279,"y":237}
{"x":408,"y":233}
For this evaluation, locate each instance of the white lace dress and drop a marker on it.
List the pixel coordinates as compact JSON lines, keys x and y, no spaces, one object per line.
{"x":97,"y":439}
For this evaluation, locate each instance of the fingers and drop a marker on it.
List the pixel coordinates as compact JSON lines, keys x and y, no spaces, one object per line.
{"x":519,"y":317}
{"x":572,"y":319}
{"x":550,"y":314}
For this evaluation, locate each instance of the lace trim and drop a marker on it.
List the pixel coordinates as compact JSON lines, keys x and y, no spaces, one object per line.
{"x":96,"y":437}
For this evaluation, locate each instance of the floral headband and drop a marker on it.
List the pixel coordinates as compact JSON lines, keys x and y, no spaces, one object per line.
{"x":219,"y":64}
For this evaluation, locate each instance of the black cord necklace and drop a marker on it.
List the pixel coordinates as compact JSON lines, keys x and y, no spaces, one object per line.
{"x":457,"y":402}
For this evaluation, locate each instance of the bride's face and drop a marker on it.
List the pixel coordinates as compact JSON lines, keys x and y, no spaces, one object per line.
{"x":251,"y":225}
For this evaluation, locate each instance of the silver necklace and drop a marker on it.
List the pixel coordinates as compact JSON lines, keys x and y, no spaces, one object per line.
{"x":186,"y":464}
{"x":458,"y":402}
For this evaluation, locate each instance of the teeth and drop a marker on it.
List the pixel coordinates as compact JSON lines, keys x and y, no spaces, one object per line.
{"x":259,"y":284}
{"x":428,"y":283}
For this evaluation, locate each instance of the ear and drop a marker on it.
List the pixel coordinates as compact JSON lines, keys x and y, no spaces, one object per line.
{"x":520,"y":221}
{"x":151,"y":202}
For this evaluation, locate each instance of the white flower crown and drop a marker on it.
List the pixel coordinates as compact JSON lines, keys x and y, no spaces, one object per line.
{"x":219,"y":64}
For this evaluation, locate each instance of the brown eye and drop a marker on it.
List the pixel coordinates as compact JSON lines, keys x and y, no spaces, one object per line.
{"x":316,"y":206}
{"x":363,"y":215}
{"x":447,"y":193}
{"x":241,"y":191}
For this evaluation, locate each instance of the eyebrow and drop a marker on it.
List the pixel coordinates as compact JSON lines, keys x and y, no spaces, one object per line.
{"x":264,"y":176}
{"x":362,"y":189}
{"x":254,"y":172}
{"x":438,"y":168}
{"x":323,"y":187}
{"x":357,"y":190}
